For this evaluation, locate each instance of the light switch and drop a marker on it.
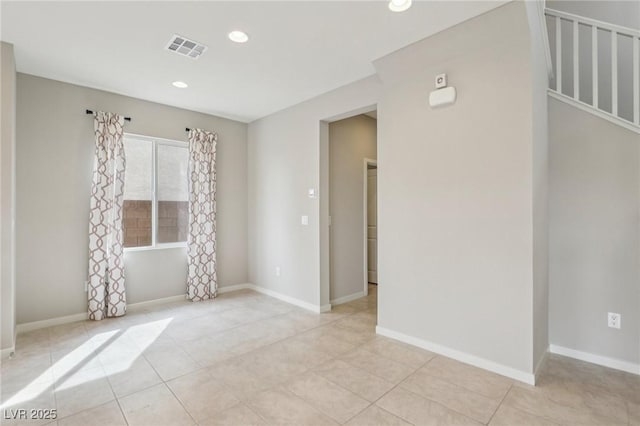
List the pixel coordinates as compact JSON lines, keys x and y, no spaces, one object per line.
{"x":305,"y":220}
{"x":312,"y":193}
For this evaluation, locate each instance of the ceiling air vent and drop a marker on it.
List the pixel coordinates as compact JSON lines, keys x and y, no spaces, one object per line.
{"x":185,"y":47}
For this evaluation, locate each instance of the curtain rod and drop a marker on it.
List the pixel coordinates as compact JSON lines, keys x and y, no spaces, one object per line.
{"x":91,"y":112}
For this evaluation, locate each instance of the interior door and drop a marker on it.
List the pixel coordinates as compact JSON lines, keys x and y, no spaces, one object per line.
{"x":372,"y":225}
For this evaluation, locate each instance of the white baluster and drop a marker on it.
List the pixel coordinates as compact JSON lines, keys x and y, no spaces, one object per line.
{"x":558,"y":55}
{"x":594,"y":64}
{"x":576,"y":62}
{"x":636,"y":80}
{"x":614,"y":73}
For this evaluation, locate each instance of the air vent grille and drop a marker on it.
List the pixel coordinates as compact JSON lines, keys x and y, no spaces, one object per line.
{"x":186,"y":47}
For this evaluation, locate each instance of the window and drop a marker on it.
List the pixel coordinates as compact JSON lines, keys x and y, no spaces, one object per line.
{"x":155,"y":192}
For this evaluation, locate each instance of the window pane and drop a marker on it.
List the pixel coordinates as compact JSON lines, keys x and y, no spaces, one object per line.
{"x":137,"y":192}
{"x":173,"y":198}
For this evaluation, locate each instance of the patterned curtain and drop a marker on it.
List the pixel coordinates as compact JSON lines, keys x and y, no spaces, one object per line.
{"x":106,"y":268}
{"x":202,"y":282}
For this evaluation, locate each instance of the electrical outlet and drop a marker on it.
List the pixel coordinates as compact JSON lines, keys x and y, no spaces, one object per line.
{"x":614,"y":320}
{"x":277,"y":271}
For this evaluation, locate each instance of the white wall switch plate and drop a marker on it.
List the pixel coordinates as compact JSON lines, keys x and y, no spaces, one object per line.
{"x":312,"y":193}
{"x":614,"y":320}
{"x":305,"y":220}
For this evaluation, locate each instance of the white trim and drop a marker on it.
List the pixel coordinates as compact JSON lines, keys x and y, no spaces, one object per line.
{"x":365,"y":217}
{"x":348,"y":298}
{"x":133,"y":307}
{"x":291,"y":300}
{"x":7,"y":352}
{"x":236,"y":287}
{"x":540,"y":362}
{"x":464,"y":357}
{"x":598,"y":112}
{"x":588,"y":21}
{"x":164,"y":141}
{"x":155,"y":142}
{"x":604,"y":361}
{"x":161,"y":246}
{"x":545,"y":37}
{"x":36,"y":325}
{"x":155,"y":302}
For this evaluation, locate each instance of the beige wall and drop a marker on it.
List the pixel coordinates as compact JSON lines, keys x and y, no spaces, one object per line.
{"x":7,"y":196}
{"x":455,"y":191}
{"x":54,"y":165}
{"x":540,"y":196}
{"x":350,"y":141}
{"x":594,"y":234}
{"x":285,"y":152}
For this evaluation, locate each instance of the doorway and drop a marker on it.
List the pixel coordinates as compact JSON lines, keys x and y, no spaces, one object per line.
{"x":352,"y":207}
{"x":370,"y":191}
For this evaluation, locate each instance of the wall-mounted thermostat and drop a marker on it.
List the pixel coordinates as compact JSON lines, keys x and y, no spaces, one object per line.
{"x":441,"y":81}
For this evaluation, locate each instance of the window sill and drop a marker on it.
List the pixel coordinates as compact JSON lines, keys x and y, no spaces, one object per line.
{"x":156,"y":247}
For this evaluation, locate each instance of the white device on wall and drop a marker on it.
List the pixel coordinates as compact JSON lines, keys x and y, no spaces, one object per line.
{"x":443,"y":95}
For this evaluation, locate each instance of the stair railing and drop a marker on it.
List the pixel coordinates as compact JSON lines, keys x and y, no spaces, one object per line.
{"x":554,"y":24}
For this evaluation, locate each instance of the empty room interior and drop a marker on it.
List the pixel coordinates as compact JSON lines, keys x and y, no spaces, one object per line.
{"x":320,"y":212}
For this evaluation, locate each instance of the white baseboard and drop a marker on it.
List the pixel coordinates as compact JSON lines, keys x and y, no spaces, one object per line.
{"x":348,"y":298}
{"x":464,"y":357}
{"x":540,"y":362}
{"x":155,"y":302}
{"x":133,"y":307}
{"x":7,"y":352}
{"x":293,"y":301}
{"x":236,"y":287}
{"x":616,"y":364}
{"x":36,"y":325}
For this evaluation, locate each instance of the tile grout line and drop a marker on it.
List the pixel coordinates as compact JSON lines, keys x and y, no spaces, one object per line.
{"x":463,"y":386}
{"x":92,"y":333}
{"x":500,"y":404}
{"x":440,"y":404}
{"x":375,"y":402}
{"x":122,"y":412}
{"x":181,"y":403}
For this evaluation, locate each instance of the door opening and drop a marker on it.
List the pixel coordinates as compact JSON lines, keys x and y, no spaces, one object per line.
{"x":351,"y":143}
{"x":371,"y":223}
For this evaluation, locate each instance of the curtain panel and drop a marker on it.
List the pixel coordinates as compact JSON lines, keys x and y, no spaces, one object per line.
{"x":106,"y":291}
{"x":202,"y":282}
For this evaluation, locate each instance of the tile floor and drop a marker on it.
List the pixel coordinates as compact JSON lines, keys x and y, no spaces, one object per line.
{"x":248,"y":359}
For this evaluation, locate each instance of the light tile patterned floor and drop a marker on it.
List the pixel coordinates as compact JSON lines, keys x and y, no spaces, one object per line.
{"x":248,"y":359}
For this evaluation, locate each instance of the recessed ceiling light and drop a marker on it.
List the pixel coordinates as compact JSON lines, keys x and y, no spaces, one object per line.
{"x":399,"y":5}
{"x":180,"y":84}
{"x":238,"y":36}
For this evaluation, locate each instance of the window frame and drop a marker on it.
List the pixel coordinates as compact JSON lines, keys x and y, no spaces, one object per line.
{"x":154,"y":193}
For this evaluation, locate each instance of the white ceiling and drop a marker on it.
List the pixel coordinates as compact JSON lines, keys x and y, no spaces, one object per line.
{"x":297,"y":50}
